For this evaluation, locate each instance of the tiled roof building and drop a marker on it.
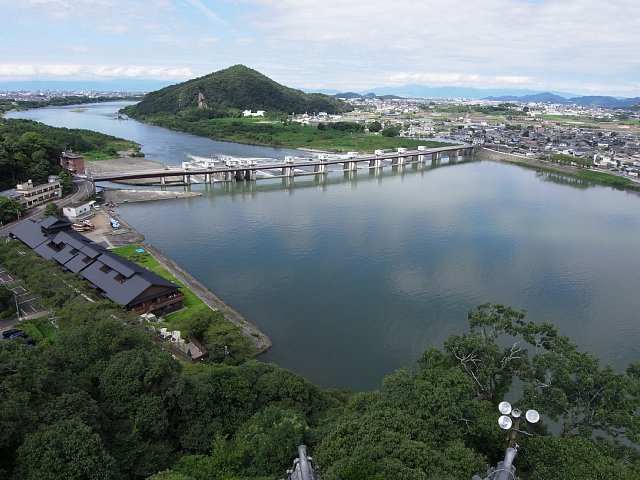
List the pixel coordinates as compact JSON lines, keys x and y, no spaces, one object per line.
{"x":116,"y":278}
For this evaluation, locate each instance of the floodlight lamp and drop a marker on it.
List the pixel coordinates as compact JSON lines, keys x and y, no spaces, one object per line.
{"x":515,"y":413}
{"x":532,"y":416}
{"x":504,"y":408}
{"x":505,"y":422}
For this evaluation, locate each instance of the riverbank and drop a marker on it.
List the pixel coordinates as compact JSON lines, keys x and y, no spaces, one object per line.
{"x":127,"y":235}
{"x":125,"y":164}
{"x":599,"y":177}
{"x":117,"y":196}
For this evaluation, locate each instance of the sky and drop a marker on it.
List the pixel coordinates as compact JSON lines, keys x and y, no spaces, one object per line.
{"x":583,"y":46}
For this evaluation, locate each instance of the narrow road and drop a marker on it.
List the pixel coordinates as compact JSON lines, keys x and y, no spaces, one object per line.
{"x":81,"y":189}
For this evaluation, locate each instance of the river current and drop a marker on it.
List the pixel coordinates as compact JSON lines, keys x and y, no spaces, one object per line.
{"x":355,"y":277}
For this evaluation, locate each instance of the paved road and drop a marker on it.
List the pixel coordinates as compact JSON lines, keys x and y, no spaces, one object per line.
{"x":81,"y":188}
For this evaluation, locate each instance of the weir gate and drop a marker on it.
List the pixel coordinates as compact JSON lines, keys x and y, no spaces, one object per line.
{"x":248,"y":170}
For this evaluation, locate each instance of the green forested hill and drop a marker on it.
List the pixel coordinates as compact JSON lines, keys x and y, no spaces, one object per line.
{"x":236,"y":87}
{"x":31,"y":150}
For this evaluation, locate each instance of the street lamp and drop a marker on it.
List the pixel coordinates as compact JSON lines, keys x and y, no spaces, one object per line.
{"x":510,"y":420}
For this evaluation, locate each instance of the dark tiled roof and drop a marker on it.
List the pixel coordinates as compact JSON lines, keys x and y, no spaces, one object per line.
{"x":29,"y":233}
{"x":121,"y":280}
{"x":54,"y":223}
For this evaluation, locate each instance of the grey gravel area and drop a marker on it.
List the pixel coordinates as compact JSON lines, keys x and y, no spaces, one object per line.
{"x":131,"y":196}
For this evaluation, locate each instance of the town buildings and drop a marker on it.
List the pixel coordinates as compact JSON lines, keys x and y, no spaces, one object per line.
{"x":30,"y":195}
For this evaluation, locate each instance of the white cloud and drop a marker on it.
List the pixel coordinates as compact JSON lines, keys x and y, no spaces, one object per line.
{"x":356,"y":45}
{"x":19,"y":71}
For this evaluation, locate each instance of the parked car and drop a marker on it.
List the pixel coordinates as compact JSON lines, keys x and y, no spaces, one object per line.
{"x":9,"y":333}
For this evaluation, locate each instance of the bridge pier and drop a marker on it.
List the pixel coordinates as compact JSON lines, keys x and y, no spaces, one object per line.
{"x":186,"y":179}
{"x":163,"y":180}
{"x":377,"y":163}
{"x":350,"y":166}
{"x":287,"y":172}
{"x":422,"y":157}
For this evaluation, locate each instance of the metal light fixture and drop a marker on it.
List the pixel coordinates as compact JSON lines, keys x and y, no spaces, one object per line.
{"x":532,"y":416}
{"x":505,"y":408}
{"x":505,"y":422}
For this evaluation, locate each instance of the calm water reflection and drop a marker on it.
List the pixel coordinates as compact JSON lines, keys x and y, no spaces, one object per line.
{"x":353,"y":279}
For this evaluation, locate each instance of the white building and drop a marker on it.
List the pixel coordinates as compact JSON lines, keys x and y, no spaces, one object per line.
{"x":30,"y":195}
{"x":76,"y":210}
{"x":249,"y":113}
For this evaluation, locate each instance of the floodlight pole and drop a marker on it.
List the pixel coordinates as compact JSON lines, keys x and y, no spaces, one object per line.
{"x":504,"y":470}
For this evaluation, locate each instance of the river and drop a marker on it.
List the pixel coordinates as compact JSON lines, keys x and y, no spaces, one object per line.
{"x":354,"y":278}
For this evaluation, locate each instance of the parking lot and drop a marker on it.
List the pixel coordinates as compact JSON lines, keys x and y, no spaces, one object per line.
{"x":27,"y":303}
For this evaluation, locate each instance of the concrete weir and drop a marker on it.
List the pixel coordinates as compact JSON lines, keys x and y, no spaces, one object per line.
{"x":292,"y":166}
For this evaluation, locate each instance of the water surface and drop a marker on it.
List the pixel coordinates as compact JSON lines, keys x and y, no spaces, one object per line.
{"x":353,"y":279}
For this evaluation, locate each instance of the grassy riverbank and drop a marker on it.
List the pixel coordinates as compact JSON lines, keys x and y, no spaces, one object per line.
{"x":602,"y":178}
{"x":200,"y":305}
{"x":275,"y":133}
{"x":192,"y":304}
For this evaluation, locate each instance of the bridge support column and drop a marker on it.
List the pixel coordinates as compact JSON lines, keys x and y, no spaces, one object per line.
{"x":287,"y":172}
{"x":252,"y":175}
{"x":229,"y":177}
{"x":377,"y":163}
{"x":422,"y":151}
{"x":350,"y":166}
{"x":186,"y":179}
{"x":163,"y":180}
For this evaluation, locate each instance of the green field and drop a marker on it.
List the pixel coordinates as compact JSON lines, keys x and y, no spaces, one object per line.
{"x":275,"y":133}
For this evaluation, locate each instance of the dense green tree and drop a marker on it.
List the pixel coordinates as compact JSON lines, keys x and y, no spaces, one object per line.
{"x":67,"y":449}
{"x":24,"y":386}
{"x":391,"y":131}
{"x":269,"y":440}
{"x":543,"y":458}
{"x":52,"y":209}
{"x":9,"y":210}
{"x":7,"y":303}
{"x":374,"y":126}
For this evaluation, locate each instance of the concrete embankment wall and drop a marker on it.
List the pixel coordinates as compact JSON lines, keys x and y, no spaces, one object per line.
{"x":497,"y":155}
{"x":260,"y":341}
{"x":513,"y":158}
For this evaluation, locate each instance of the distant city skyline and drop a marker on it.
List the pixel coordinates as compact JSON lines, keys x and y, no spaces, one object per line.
{"x":579,"y":46}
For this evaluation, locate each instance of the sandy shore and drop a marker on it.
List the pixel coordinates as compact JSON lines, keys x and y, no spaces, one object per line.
{"x":131,"y":196}
{"x":126,"y":164}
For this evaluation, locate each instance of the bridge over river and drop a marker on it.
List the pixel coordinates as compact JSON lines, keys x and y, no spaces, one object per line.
{"x":250,"y":170}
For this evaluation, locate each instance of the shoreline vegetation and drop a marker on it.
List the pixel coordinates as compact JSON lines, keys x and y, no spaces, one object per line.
{"x":600,"y":178}
{"x":282,"y":134}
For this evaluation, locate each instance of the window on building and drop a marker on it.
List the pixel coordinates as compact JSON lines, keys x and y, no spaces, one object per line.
{"x":105,"y":268}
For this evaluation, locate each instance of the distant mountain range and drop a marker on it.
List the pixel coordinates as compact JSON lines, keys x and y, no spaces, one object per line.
{"x":404,"y":91}
{"x":366,"y":95}
{"x":421,"y":91}
{"x":585,"y":101}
